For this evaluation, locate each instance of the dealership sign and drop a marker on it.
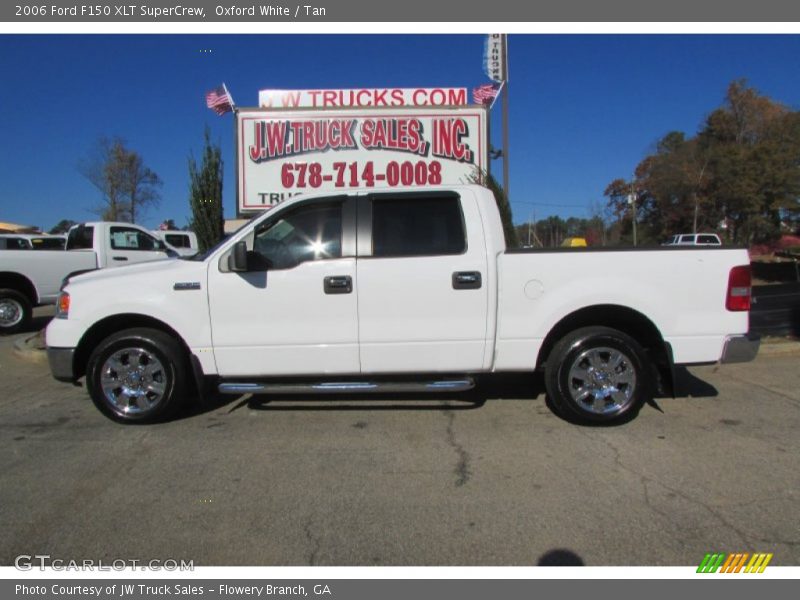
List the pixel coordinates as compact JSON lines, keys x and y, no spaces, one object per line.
{"x":286,"y":152}
{"x":362,"y":98}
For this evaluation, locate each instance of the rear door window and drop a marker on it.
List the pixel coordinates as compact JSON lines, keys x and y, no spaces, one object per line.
{"x":419,"y":226}
{"x":81,"y":238}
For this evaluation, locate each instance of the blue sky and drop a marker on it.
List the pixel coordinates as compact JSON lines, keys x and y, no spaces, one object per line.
{"x":584,"y":108}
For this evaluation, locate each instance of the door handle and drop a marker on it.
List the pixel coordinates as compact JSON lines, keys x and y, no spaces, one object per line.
{"x":338,"y":284}
{"x":120,"y":258}
{"x":466,"y":280}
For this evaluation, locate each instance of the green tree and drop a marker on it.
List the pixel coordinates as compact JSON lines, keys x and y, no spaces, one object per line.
{"x":743,"y":167}
{"x":755,"y":158}
{"x":62,"y":226}
{"x":510,"y":233}
{"x":205,"y":194}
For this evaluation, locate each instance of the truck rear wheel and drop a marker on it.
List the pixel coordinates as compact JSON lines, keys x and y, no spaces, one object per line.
{"x":598,"y":374}
{"x":137,"y":376}
{"x":15,"y":311}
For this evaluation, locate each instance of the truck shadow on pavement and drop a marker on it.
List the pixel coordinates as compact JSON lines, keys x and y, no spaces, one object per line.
{"x":688,"y":385}
{"x":36,"y":324}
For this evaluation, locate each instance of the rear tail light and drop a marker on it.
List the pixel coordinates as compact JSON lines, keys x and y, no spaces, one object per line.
{"x":738,"y":296}
{"x":62,"y":306}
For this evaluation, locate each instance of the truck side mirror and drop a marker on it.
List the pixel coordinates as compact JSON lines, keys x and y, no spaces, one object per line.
{"x":237,"y":261}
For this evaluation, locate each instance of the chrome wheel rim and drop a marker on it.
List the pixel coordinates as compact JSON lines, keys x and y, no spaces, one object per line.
{"x":133,"y":381}
{"x":11,"y":312}
{"x":602,"y":380}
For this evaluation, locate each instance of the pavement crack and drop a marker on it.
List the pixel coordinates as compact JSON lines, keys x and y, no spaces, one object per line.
{"x":314,"y":542}
{"x":790,"y":543}
{"x":462,"y":470}
{"x":645,"y":479}
{"x":766,"y":388}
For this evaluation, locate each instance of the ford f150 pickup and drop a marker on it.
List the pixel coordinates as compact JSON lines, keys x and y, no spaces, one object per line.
{"x":29,"y":279}
{"x":399,"y":291}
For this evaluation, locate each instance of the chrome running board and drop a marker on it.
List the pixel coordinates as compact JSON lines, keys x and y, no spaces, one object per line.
{"x":349,"y":387}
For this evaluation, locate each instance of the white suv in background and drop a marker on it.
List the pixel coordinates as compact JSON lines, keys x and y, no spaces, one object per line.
{"x":693,"y":239}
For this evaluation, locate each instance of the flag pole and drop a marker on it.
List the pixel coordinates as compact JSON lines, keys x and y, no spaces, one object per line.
{"x":499,"y":91}
{"x":505,"y":117}
{"x":488,"y":115}
{"x":228,"y":94}
{"x":488,"y":127}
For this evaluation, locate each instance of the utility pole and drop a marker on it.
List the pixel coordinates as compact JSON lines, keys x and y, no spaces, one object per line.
{"x":529,"y":233}
{"x":505,"y":118}
{"x":632,"y":202}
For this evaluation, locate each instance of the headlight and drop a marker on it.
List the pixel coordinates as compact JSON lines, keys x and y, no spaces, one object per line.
{"x":62,"y":305}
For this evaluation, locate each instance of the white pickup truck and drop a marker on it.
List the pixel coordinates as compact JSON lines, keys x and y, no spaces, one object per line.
{"x":29,"y":279}
{"x":398,"y":291}
{"x":183,"y":242}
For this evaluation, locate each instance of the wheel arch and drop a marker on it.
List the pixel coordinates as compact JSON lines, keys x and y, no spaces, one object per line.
{"x":112,"y":324}
{"x":625,"y":319}
{"x":20,"y":283}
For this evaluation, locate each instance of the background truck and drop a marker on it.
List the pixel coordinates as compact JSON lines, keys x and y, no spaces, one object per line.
{"x":398,"y":291}
{"x":29,"y":279}
{"x":183,"y":242}
{"x":31,"y":241}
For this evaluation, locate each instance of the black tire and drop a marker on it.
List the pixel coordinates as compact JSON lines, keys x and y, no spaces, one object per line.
{"x":598,"y":375}
{"x":15,"y":311}
{"x":138,"y":376}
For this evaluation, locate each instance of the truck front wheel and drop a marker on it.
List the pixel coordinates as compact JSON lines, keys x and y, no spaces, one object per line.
{"x":598,"y":374}
{"x":137,"y":376}
{"x":15,"y":311}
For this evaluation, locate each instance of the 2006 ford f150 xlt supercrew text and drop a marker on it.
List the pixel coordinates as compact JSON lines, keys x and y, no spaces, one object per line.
{"x":408,"y":291}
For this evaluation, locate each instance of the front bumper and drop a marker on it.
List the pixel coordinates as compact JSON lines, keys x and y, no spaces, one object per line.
{"x":61,"y":363}
{"x":740,"y":348}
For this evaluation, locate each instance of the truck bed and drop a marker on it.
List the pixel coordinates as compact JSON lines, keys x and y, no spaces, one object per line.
{"x":680,"y":290}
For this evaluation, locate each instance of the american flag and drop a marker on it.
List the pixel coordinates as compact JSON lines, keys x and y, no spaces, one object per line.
{"x":219,"y":100}
{"x":484,"y":94}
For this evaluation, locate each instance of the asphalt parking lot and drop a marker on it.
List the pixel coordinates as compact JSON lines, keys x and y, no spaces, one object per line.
{"x":493,"y":480}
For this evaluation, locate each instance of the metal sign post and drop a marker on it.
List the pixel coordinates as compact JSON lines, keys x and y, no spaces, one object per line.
{"x":505,"y":117}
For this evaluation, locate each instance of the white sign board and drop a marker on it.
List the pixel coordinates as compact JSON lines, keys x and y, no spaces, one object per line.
{"x":282,"y":153}
{"x":362,"y":98}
